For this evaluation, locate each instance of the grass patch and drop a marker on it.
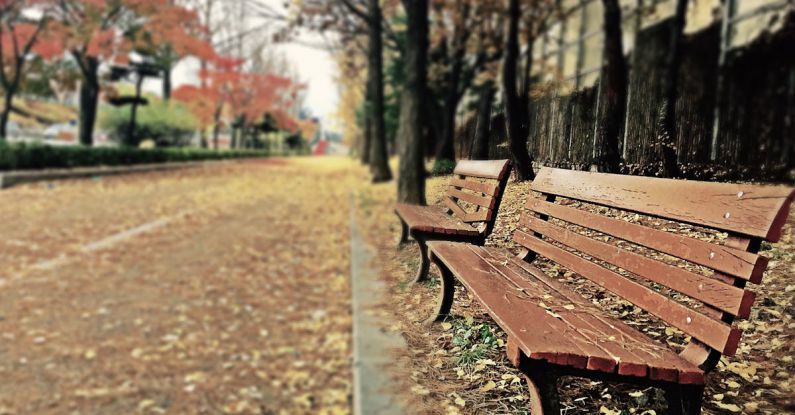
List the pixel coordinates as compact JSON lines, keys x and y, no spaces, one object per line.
{"x":473,"y":341}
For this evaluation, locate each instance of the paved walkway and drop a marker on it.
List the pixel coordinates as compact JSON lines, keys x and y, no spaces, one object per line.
{"x":215,"y":290}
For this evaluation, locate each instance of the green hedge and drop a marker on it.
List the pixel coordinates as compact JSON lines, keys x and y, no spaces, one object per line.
{"x":168,"y":124}
{"x":37,"y":156}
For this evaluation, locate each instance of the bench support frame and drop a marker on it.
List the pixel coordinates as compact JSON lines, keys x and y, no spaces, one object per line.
{"x":542,"y":380}
{"x":444,"y":302}
{"x":404,"y":232}
{"x":425,"y":262}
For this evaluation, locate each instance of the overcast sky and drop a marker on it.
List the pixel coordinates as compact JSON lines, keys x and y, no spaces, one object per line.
{"x":315,"y":66}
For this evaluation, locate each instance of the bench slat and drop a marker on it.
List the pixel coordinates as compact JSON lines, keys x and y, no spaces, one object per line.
{"x":482,"y":215}
{"x":486,"y":202}
{"x":731,"y":261}
{"x":652,"y":356}
{"x":716,"y":334}
{"x":746,"y":209}
{"x":486,"y":169}
{"x":730,"y":299}
{"x":458,"y":211}
{"x":485,"y":188}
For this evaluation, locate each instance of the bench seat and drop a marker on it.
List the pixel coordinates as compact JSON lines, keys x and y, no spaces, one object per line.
{"x":433,"y":220}
{"x":552,"y":323}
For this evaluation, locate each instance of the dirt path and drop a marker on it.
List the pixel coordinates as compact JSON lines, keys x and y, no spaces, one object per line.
{"x":217,"y":290}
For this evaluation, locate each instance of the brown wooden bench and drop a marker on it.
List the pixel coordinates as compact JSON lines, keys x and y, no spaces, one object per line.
{"x":683,"y":280}
{"x":469,"y":211}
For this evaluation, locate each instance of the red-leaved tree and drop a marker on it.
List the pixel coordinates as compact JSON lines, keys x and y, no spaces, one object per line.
{"x":171,"y":34}
{"x":93,"y":31}
{"x":20,"y":37}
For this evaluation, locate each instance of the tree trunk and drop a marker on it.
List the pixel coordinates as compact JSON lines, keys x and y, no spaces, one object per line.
{"x":411,"y":180}
{"x":445,"y":149}
{"x":203,"y":137}
{"x":435,"y":125}
{"x":8,"y":100}
{"x":368,"y":126}
{"x":666,"y":136}
{"x":89,"y":100}
{"x":134,"y":112}
{"x":480,"y":144}
{"x":379,"y":161}
{"x":217,"y":126}
{"x":614,"y":76}
{"x":167,"y":83}
{"x":517,"y":132}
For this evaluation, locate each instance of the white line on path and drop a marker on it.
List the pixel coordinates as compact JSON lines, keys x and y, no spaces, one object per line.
{"x":129,"y":233}
{"x":99,"y":244}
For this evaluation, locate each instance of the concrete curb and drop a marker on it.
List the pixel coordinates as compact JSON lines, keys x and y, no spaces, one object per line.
{"x":14,"y":178}
{"x":373,"y":386}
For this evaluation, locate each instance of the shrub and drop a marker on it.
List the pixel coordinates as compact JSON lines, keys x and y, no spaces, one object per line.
{"x":36,"y":156}
{"x":168,"y":124}
{"x":442,"y":166}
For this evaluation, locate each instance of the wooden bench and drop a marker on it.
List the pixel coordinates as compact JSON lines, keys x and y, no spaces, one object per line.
{"x":469,"y":210}
{"x":590,"y":224}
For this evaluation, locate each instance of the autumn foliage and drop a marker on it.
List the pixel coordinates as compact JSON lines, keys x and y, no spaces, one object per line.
{"x":233,"y":94}
{"x":93,"y":34}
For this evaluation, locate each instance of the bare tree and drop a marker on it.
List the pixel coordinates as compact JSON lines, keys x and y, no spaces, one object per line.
{"x":480,"y":143}
{"x":379,"y":160}
{"x":614,"y":77}
{"x":468,"y":37}
{"x":536,"y":17}
{"x":370,"y":14}
{"x":514,"y":108}
{"x":411,"y":181}
{"x":666,"y":136}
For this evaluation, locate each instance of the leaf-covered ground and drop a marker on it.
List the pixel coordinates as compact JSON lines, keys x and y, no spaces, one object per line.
{"x":216,"y":290}
{"x":460,"y":366}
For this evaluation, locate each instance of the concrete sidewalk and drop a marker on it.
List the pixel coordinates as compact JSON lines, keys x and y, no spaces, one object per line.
{"x":373,"y":388}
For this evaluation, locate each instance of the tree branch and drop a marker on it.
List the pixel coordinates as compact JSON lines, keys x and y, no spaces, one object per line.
{"x":355,"y":10}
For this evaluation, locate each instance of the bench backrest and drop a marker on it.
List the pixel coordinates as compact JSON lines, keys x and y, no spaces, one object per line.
{"x":598,"y":233}
{"x":476,"y":190}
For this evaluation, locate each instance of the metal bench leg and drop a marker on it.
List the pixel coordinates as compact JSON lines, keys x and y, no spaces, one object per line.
{"x":404,"y":232}
{"x":425,"y":263}
{"x":445,"y":300}
{"x":542,"y":381}
{"x":544,"y":397}
{"x":684,"y":399}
